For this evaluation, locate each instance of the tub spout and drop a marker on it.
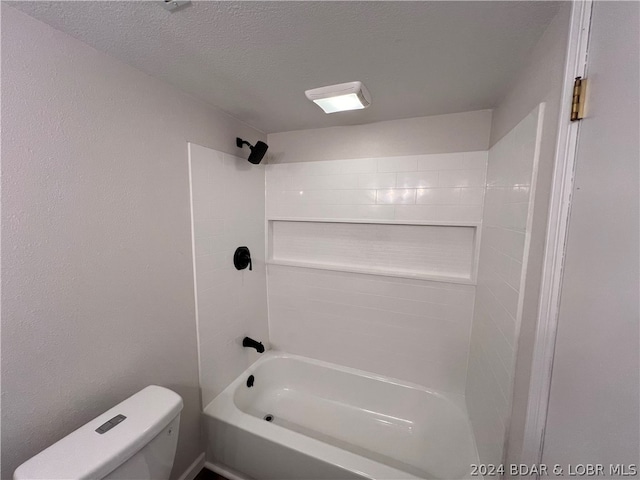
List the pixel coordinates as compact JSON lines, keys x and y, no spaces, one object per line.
{"x":250,"y":342}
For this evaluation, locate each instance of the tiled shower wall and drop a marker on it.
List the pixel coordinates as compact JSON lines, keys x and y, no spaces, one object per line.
{"x":498,"y":307}
{"x":416,"y":330}
{"x":227,"y":195}
{"x":439,"y":187}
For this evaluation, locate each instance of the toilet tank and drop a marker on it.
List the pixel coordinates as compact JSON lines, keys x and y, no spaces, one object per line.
{"x":135,"y":439}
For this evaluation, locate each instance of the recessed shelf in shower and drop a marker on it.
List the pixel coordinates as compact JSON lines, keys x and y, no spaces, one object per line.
{"x":438,"y":252}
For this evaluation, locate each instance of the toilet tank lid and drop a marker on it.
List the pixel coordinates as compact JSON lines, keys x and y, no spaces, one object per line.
{"x":85,"y":453}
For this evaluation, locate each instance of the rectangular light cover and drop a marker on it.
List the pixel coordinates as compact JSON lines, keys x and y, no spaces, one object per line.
{"x":340,"y":103}
{"x":339,"y":98}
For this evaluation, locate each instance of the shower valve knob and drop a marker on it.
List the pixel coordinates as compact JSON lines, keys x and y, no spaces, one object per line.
{"x":242,"y":258}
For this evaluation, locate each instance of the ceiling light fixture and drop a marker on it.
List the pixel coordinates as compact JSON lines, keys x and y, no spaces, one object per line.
{"x":341,"y":97}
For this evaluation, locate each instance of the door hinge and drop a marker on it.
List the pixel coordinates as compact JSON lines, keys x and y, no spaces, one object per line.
{"x":579,"y":97}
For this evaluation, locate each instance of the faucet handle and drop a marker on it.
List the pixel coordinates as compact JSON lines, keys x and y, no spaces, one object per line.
{"x":242,"y":258}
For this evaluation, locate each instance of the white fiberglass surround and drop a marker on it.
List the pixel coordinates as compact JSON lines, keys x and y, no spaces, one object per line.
{"x":335,"y":422}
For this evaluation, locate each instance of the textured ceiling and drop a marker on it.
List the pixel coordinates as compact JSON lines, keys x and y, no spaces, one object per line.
{"x":254,"y":60}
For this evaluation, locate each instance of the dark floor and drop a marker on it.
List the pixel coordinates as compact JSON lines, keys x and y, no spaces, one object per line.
{"x":208,"y":475}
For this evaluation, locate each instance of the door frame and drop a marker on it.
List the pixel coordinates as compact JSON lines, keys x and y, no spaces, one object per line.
{"x":556,"y":238}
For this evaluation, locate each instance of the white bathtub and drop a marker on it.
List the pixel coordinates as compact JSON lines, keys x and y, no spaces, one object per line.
{"x":333,"y":422}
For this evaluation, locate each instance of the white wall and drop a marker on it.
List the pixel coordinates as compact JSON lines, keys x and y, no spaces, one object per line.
{"x":458,"y":132}
{"x":594,"y":409}
{"x":314,"y":312}
{"x":539,"y":81}
{"x":438,"y":187}
{"x":413,"y":330}
{"x":506,"y":233}
{"x":416,"y":330}
{"x":227,"y":195}
{"x":97,"y":284}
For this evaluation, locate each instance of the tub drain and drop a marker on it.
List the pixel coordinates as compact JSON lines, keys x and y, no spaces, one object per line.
{"x":268,"y":417}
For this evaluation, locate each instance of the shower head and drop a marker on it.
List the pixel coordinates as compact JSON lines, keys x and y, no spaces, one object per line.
{"x":257,"y":151}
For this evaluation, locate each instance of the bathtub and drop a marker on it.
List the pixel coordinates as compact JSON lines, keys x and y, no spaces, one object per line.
{"x":308,"y":419}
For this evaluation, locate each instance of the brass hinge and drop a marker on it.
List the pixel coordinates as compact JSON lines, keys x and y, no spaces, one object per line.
{"x":579,"y":97}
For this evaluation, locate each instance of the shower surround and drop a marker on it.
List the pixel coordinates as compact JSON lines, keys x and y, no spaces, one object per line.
{"x":412,"y":325}
{"x":410,"y":268}
{"x":506,"y":238}
{"x":227,"y":211}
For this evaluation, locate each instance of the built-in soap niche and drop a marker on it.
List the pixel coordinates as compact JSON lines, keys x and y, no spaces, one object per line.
{"x":437,"y":252}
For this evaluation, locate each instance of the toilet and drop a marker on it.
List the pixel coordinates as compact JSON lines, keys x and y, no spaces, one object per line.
{"x":136,"y":439}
